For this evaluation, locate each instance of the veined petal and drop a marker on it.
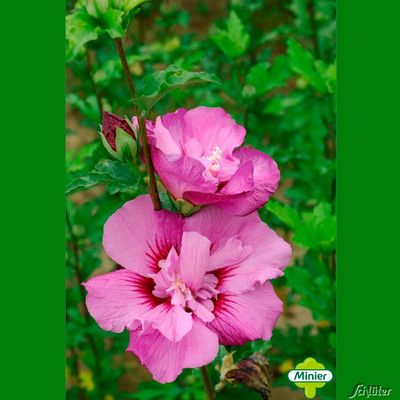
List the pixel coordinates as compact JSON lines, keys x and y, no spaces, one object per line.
{"x":245,"y":317}
{"x":166,"y":359}
{"x":137,"y":237}
{"x":237,"y":185}
{"x":164,"y":140}
{"x":181,"y":173}
{"x":269,"y":253}
{"x":172,"y":321}
{"x":115,"y":300}
{"x":230,"y":253}
{"x":266,"y":178}
{"x":194,"y":259}
{"x":214,"y":127}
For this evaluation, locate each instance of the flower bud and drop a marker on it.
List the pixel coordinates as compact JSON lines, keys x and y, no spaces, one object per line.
{"x":118,"y":4}
{"x":126,"y":5}
{"x":119,"y":137}
{"x":253,"y":372}
{"x":97,"y":7}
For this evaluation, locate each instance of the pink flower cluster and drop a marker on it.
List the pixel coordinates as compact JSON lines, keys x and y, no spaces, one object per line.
{"x":190,"y":284}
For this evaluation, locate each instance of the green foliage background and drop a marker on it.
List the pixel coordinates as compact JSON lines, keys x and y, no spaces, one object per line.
{"x":276,"y":64}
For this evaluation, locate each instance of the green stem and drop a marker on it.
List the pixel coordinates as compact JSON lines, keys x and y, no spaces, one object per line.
{"x":142,"y":128}
{"x":210,"y":394}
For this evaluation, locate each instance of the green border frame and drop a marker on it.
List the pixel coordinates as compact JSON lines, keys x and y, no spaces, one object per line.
{"x":368,"y":211}
{"x":32,"y":200}
{"x":33,"y":203}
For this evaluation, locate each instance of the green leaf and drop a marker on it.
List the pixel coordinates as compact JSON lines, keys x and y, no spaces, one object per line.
{"x":233,"y":40}
{"x":88,"y":106}
{"x":256,"y":81}
{"x":314,"y":230}
{"x":285,"y":213}
{"x":279,"y":72}
{"x":279,"y":104}
{"x":319,"y":228}
{"x":81,"y":28}
{"x":82,"y":183}
{"x":328,"y":73}
{"x":158,"y":84}
{"x":116,"y":174}
{"x":302,"y":62}
{"x":316,"y":292}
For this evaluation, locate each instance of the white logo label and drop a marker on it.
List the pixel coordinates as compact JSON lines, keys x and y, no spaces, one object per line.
{"x":310,"y":375}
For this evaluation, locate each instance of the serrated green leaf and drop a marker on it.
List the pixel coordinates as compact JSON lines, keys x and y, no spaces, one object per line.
{"x":314,"y":230}
{"x":319,"y":228}
{"x":81,"y":28}
{"x":160,"y":83}
{"x":114,"y":173}
{"x":82,"y":183}
{"x":233,"y":40}
{"x":302,"y":62}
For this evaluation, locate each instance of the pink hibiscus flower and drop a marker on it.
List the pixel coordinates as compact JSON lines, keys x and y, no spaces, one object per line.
{"x":187,"y":285}
{"x":196,"y":153}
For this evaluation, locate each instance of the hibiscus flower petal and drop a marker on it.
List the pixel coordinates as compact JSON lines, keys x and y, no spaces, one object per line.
{"x":181,"y":174}
{"x":230,"y":253}
{"x":172,"y":321}
{"x":269,"y":253}
{"x":240,"y":182}
{"x":137,"y":237}
{"x":266,"y":178}
{"x":117,"y":299}
{"x":246,"y":317}
{"x":164,"y":140}
{"x":166,"y":359}
{"x":214,"y":127}
{"x":194,"y":259}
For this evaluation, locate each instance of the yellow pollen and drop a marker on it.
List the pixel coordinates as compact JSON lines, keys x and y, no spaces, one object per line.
{"x":215,"y":154}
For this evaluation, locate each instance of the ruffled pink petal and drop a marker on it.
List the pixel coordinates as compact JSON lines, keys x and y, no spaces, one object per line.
{"x":166,"y":359}
{"x":172,"y":321}
{"x":266,"y":179}
{"x":269,"y":256}
{"x":174,"y":122}
{"x":228,"y":166}
{"x":201,"y":310}
{"x":117,"y":299}
{"x":217,"y":225}
{"x":269,"y":253}
{"x":214,"y":127}
{"x":180,"y":174}
{"x":137,"y":237}
{"x":164,"y":140}
{"x":230,"y":253}
{"x":240,"y":182}
{"x":194,"y":259}
{"x":246,"y":317}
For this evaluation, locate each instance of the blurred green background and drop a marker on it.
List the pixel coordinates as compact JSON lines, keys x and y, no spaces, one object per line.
{"x":276,"y":63}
